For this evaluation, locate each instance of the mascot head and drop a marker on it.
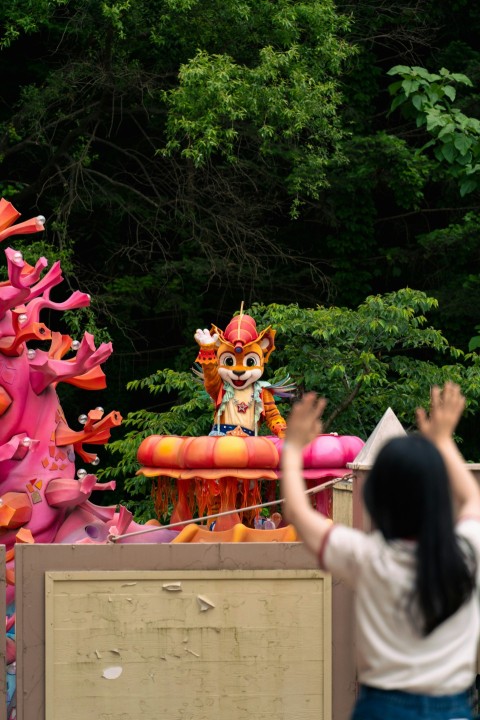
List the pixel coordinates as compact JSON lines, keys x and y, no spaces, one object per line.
{"x":242,"y":351}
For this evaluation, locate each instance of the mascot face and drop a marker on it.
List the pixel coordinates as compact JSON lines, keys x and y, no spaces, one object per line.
{"x":241,"y":369}
{"x":242,"y":351}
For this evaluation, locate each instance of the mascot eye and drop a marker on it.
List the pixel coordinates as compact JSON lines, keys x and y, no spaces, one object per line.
{"x":251,"y":360}
{"x":227,"y":359}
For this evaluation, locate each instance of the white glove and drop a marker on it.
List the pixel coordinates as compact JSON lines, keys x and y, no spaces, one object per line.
{"x":203,"y":337}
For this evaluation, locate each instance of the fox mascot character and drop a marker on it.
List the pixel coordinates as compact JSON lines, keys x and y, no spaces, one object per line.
{"x":232,"y":364}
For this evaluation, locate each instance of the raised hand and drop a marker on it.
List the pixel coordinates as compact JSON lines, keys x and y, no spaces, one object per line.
{"x":203,"y":337}
{"x":446,"y":408}
{"x":304,"y":422}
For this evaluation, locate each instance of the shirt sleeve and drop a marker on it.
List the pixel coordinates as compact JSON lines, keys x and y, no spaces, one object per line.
{"x":343,"y":551}
{"x":469,"y":528}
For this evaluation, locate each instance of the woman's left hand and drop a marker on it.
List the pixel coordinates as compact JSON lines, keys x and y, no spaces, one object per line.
{"x":304,"y":422}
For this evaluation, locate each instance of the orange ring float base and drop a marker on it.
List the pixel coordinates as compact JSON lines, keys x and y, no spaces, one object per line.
{"x":237,"y":533}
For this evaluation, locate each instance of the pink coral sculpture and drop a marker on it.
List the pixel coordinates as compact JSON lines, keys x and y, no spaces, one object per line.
{"x":37,"y":448}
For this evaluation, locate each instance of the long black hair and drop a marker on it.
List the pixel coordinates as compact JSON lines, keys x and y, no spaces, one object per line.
{"x":407,"y":494}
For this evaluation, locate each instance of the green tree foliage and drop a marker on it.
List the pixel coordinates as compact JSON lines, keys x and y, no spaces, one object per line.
{"x":394,"y":216}
{"x":429,"y":99}
{"x":382,"y":354}
{"x":166,"y":135}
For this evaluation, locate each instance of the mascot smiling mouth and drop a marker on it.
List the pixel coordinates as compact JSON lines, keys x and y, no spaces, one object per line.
{"x":239,"y":383}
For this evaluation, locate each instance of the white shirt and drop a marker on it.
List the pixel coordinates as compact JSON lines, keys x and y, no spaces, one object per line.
{"x":391,"y":653}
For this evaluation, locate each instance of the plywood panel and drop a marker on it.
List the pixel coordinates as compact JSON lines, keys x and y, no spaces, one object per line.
{"x":33,"y":561}
{"x":261,"y":649}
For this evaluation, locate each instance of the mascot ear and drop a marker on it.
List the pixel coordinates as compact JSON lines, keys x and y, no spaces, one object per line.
{"x":217,"y":334}
{"x":267,"y":343}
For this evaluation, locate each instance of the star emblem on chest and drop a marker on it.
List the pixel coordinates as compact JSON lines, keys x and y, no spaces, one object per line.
{"x":242,"y":407}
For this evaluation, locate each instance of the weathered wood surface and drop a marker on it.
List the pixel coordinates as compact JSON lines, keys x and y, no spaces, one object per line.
{"x":237,"y":644}
{"x":35,"y":562}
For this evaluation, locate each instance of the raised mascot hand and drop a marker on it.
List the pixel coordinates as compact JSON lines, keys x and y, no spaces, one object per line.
{"x":204,"y":338}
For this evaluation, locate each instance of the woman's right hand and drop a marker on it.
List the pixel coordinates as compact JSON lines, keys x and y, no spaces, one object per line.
{"x":446,"y":408}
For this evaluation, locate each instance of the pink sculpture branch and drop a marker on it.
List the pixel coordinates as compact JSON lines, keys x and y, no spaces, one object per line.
{"x":45,"y":369}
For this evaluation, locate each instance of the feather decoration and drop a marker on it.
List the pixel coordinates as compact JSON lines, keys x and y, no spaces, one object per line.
{"x":284,"y":389}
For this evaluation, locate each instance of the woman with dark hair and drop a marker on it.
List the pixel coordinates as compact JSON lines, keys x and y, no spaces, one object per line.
{"x":415,"y":576}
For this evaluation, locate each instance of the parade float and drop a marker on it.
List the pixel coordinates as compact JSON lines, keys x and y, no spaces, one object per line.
{"x":229,"y":472}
